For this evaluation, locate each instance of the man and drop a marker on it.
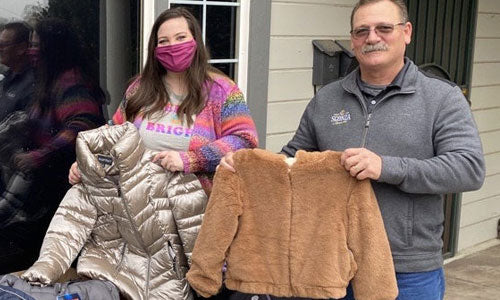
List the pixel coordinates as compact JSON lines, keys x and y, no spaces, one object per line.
{"x":17,"y":88}
{"x":412,"y":135}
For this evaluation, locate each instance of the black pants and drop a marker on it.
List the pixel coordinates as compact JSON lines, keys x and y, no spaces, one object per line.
{"x":243,"y":296}
{"x":226,"y":294}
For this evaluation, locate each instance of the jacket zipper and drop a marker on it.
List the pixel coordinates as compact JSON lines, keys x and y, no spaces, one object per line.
{"x":139,"y":239}
{"x":173,"y":258}
{"x":124,"y":247}
{"x":365,"y":130}
{"x":369,"y":115}
{"x":367,"y":120}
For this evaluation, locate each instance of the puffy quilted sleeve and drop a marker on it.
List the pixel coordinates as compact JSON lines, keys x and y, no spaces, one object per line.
{"x":188,"y":202}
{"x":69,"y":229}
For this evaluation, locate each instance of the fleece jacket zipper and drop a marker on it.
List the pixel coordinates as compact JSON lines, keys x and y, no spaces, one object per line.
{"x":369,"y":114}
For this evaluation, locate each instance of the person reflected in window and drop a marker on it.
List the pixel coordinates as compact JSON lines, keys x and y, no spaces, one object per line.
{"x":66,"y":101}
{"x":188,"y":111}
{"x":16,"y":89}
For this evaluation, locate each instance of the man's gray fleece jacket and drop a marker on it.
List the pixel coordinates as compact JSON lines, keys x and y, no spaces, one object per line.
{"x":425,"y":133}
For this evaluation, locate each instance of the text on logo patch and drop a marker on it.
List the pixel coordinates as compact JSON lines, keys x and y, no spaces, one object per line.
{"x":341,"y":118}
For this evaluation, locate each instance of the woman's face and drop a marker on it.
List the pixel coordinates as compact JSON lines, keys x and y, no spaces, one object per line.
{"x":35,"y":41}
{"x":174,"y":31}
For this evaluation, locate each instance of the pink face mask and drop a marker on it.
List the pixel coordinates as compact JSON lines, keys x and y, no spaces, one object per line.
{"x":178,"y":57}
{"x":34,"y":56}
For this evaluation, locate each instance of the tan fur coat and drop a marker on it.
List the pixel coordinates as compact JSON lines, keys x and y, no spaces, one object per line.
{"x":301,"y":231}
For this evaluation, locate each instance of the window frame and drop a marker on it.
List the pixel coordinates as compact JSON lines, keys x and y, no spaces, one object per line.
{"x":152,"y":8}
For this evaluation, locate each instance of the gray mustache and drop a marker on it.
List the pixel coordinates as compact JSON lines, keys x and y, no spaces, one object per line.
{"x":376,"y":47}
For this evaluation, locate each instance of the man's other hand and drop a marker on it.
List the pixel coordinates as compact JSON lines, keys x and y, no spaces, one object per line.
{"x":362,"y":163}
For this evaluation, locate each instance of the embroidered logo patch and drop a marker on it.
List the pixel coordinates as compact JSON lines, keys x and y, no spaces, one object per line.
{"x":341,"y":118}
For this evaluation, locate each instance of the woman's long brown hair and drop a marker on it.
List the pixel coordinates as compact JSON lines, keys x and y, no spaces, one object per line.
{"x":151,"y":95}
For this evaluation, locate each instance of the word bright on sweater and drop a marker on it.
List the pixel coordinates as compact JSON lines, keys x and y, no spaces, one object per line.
{"x":169,"y":129}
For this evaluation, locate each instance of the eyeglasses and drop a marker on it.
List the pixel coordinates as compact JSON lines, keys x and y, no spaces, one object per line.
{"x":380,"y":30}
{"x":4,"y":45}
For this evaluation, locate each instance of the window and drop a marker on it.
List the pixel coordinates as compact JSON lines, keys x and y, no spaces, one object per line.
{"x":54,"y":73}
{"x":225,"y":33}
{"x":108,"y":32}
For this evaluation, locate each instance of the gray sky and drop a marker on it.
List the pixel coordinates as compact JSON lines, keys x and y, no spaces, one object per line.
{"x":13,"y":9}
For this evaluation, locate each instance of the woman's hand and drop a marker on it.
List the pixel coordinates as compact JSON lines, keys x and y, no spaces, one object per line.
{"x":227,"y":162}
{"x":74,"y":176}
{"x":170,"y":160}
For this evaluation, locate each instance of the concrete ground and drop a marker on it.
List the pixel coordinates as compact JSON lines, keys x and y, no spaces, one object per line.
{"x":474,"y":276}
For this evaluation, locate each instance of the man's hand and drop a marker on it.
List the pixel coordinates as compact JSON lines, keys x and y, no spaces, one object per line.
{"x":362,"y":163}
{"x":170,"y":160}
{"x":228,"y":162}
{"x":74,"y":175}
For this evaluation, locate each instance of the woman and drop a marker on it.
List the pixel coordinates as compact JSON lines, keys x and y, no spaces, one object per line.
{"x":66,"y":102}
{"x":182,"y":106}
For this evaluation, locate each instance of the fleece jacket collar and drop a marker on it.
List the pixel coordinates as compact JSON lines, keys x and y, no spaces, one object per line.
{"x":303,"y":160}
{"x":404,"y":83}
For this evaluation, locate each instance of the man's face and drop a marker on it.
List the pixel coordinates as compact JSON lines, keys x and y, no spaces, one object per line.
{"x":381,"y":46}
{"x":10,"y":49}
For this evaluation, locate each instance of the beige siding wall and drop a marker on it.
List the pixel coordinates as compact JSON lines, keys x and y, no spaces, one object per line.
{"x":294,"y":24}
{"x":481,"y":209}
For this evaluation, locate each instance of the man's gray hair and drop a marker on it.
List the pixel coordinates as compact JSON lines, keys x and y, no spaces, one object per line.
{"x":403,"y":10}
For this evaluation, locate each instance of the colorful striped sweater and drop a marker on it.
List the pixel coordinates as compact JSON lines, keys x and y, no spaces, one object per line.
{"x":75,"y":108}
{"x":222,"y":126}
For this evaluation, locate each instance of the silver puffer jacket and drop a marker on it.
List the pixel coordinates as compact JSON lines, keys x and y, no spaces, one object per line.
{"x":136,"y":223}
